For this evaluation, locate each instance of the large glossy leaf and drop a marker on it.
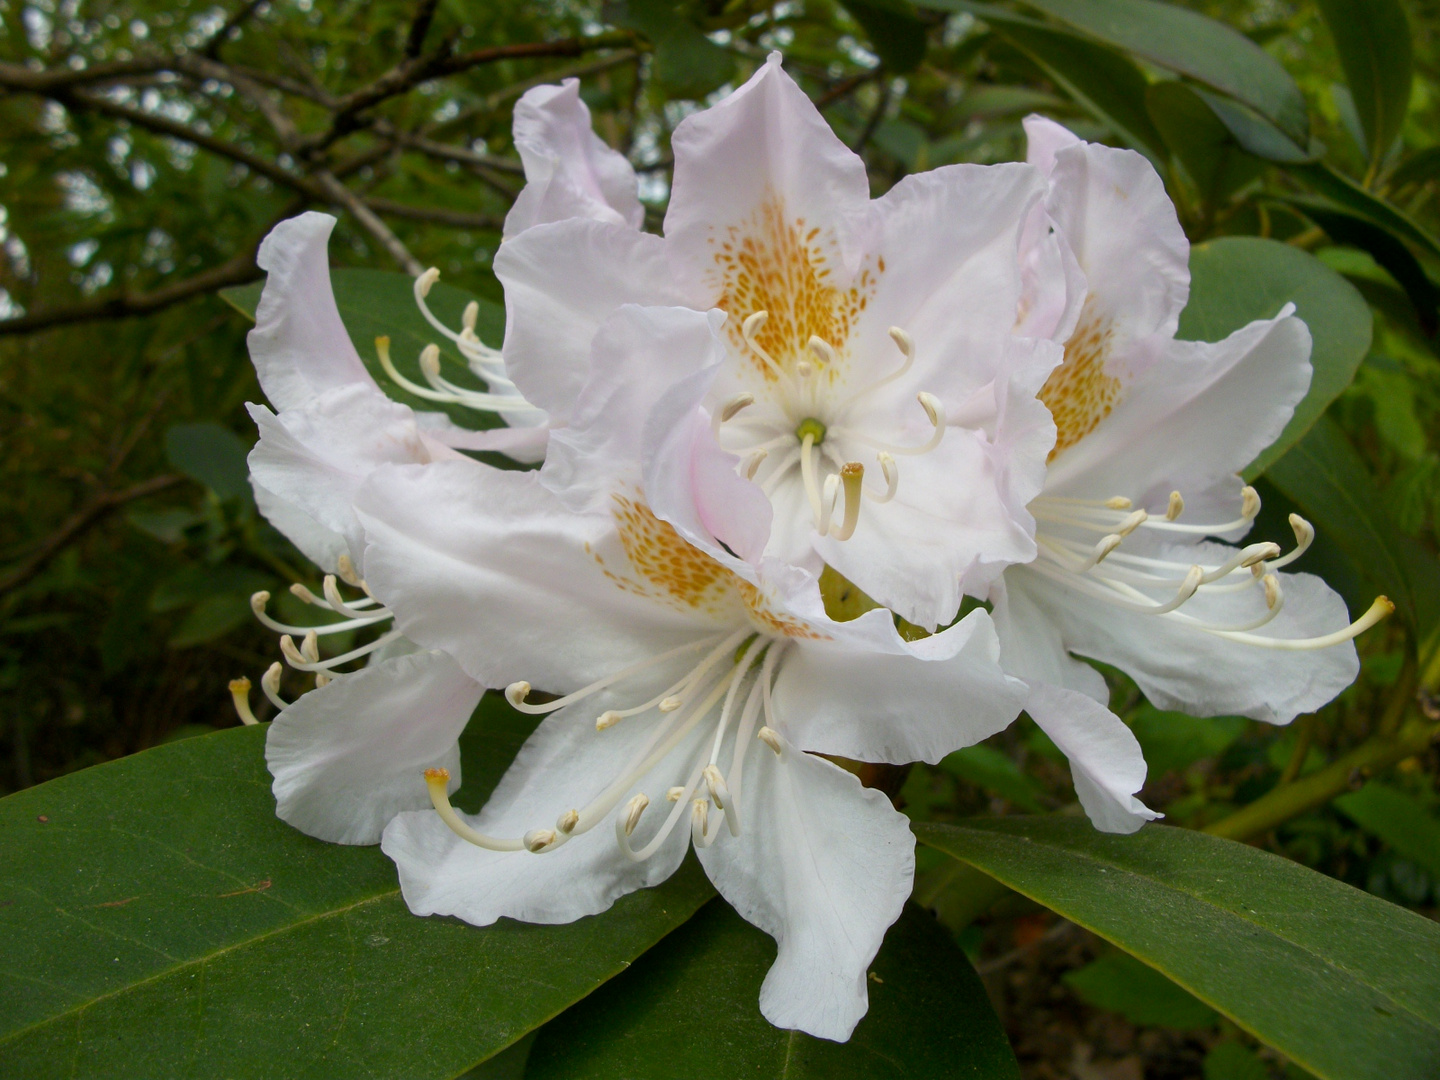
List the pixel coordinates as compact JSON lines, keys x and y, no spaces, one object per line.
{"x":690,"y":1008}
{"x":1339,"y":981}
{"x":1326,"y":478}
{"x":1235,"y":280}
{"x":1373,"y":40}
{"x":381,"y":303}
{"x":1340,"y":189}
{"x":1182,"y":41}
{"x":156,"y":919}
{"x":1211,"y":155}
{"x":893,"y":29}
{"x":1103,"y":82}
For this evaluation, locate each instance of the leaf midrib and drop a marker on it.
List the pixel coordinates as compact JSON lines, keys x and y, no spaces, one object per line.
{"x":1070,"y":852}
{"x":278,"y":931}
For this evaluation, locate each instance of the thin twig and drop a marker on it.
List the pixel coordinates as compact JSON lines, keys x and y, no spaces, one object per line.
{"x":370,"y":222}
{"x":458,"y":218}
{"x":77,"y":525}
{"x":212,"y":47}
{"x":419,"y":27}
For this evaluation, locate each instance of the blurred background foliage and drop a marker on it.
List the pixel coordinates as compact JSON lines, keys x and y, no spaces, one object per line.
{"x":148,"y":148}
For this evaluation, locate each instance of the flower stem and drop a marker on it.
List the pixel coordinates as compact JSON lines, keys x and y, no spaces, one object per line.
{"x":1287,"y":801}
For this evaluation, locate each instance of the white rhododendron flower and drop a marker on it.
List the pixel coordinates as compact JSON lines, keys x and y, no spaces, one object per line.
{"x":1151,"y":435}
{"x":871,"y":385}
{"x":692,"y":683}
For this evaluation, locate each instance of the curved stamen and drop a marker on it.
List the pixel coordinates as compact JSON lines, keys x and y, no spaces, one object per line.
{"x":852,"y":476}
{"x":729,"y":411}
{"x":516,"y":692}
{"x":891,"y":472}
{"x":474,"y":399}
{"x":782,"y":467}
{"x":340,"y":607}
{"x":749,"y":329}
{"x":1381,"y":608}
{"x":934,"y":412}
{"x":270,"y":684}
{"x":1304,"y":537}
{"x":240,"y":694}
{"x":298,"y":660}
{"x":261,"y":598}
{"x":906,"y":345}
{"x":438,"y":782}
{"x":807,"y":474}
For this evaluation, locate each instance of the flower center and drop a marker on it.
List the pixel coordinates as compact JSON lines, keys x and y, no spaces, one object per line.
{"x":807,"y":433}
{"x":1069,"y":554}
{"x":679,"y":709}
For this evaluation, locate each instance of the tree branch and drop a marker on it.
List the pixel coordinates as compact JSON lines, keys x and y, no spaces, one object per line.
{"x":77,"y":525}
{"x":419,"y":27}
{"x":212,"y":47}
{"x":458,"y":218}
{"x":370,"y":222}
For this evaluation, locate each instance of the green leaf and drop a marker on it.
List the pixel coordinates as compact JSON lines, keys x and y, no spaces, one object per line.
{"x":210,"y":455}
{"x":1182,"y":41}
{"x":1373,"y":40}
{"x":1326,"y":478}
{"x":687,"y":62}
{"x":893,"y":29}
{"x":1120,"y":983}
{"x":1419,"y":168}
{"x":381,"y":303}
{"x":1235,"y":280}
{"x":1346,"y":193}
{"x":691,"y":1008}
{"x":156,"y":919}
{"x":1231,"y":1060}
{"x":1101,"y":81}
{"x":1258,"y":135}
{"x":1206,"y":148}
{"x":986,"y":767}
{"x":1398,"y":820}
{"x":1341,"y":982}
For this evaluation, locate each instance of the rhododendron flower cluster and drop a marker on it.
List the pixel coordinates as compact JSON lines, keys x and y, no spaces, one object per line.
{"x":964,"y":399}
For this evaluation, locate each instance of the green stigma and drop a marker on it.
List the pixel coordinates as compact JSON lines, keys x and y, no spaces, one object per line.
{"x":811,"y":427}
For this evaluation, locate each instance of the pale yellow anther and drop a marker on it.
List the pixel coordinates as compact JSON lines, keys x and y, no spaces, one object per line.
{"x":608,"y":719}
{"x":346,"y":569}
{"x":633,"y":809}
{"x":1176,"y":507}
{"x":302,"y":593}
{"x":240,"y":694}
{"x":902,"y":340}
{"x":537,"y":840}
{"x":718,"y":789}
{"x":470,"y":315}
{"x":822,"y":350}
{"x":270,"y":681}
{"x":430,"y":361}
{"x":1192,"y":582}
{"x":258,"y":601}
{"x":290,"y":652}
{"x":310,"y":647}
{"x":670,"y":704}
{"x":699,"y":815}
{"x":752,"y":463}
{"x":804,"y":369}
{"x":1272,"y":590}
{"x":426,"y":281}
{"x":771,"y":738}
{"x":1106,"y":545}
{"x":675,"y":794}
{"x":1258,"y":553}
{"x":322,"y":679}
{"x":1249,"y":503}
{"x":931,"y":404}
{"x":1133,"y":522}
{"x":1118,"y":502}
{"x":568,"y":821}
{"x":1304,"y":531}
{"x":734,"y":405}
{"x":517,"y":692}
{"x":754,"y":323}
{"x":852,"y":477}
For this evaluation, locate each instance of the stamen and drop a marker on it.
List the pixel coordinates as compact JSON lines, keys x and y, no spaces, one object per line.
{"x":1176,"y":507}
{"x":338,"y":604}
{"x":828,"y":497}
{"x":822,"y":350}
{"x":674,"y":794}
{"x":537,"y":840}
{"x":1272,"y":590}
{"x":567,"y":822}
{"x":260,"y":599}
{"x":720,"y":795}
{"x":1304,"y":537}
{"x":516,"y":692}
{"x":853,"y":477}
{"x":770,"y":738}
{"x":807,"y":474}
{"x":607,"y":719}
{"x":270,"y":684}
{"x":699,"y":815}
{"x":891,"y":472}
{"x":751,"y":465}
{"x":1380,"y":609}
{"x":310,"y":647}
{"x":470,"y":316}
{"x":346,"y":569}
{"x":1133,"y":522}
{"x":297,"y":659}
{"x":906,"y":345}
{"x":426,"y":281}
{"x":240,"y":694}
{"x":633,"y":809}
{"x":1118,"y":502}
{"x":934,"y":412}
{"x":438,"y":781}
{"x":730,"y":410}
{"x":1249,"y":507}
{"x":752,"y":326}
{"x":450,"y":394}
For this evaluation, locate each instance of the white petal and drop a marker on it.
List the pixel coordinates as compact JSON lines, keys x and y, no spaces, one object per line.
{"x":569,"y":171}
{"x":1197,"y":416}
{"x":1112,"y":207}
{"x":562,"y":766}
{"x":1052,"y":284}
{"x":320,"y":545}
{"x":869,"y":695}
{"x":1105,"y":757}
{"x":1031,"y":645}
{"x":1181,"y":668}
{"x":638,"y":353}
{"x":317,"y":456}
{"x":351,"y":755}
{"x":299,"y":345}
{"x":823,"y":866}
{"x":764,"y":145}
{"x":561,"y":282}
{"x":1044,"y":139}
{"x":694,"y":484}
{"x":490,"y":567}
